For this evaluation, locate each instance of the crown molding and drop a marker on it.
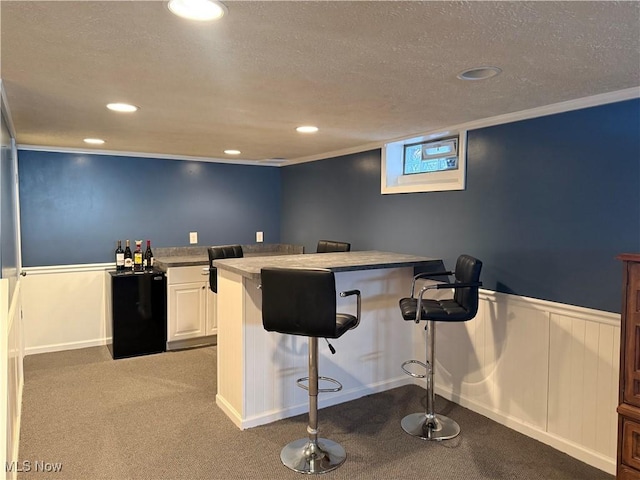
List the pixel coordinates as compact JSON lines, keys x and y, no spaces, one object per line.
{"x":159,"y":156}
{"x":560,"y":107}
{"x":6,"y":111}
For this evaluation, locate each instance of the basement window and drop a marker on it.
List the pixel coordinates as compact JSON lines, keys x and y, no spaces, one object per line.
{"x":428,"y":157}
{"x":431,"y":163}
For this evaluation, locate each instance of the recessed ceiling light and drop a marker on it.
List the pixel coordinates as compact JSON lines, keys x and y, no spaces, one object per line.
{"x":122,"y":107}
{"x":307,"y":129}
{"x":199,"y":10}
{"x":94,"y":141}
{"x":479,"y":73}
{"x":232,"y":152}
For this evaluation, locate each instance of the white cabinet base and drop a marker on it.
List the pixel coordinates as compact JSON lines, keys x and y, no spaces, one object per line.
{"x":205,"y":341}
{"x":191,"y":309}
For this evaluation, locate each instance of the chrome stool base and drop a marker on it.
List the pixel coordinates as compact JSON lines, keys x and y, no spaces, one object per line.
{"x":416,"y":425}
{"x":304,"y":456}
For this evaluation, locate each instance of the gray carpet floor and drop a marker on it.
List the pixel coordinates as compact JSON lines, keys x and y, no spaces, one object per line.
{"x":155,"y":417}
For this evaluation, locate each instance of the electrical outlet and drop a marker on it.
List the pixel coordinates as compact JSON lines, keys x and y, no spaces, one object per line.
{"x":259,"y":237}
{"x":193,"y":237}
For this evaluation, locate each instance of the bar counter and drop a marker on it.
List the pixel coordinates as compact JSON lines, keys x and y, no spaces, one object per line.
{"x":336,"y":262}
{"x":170,"y":257}
{"x":257,"y":370}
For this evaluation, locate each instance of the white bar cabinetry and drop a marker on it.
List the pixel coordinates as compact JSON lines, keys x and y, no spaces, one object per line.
{"x":191,"y":308}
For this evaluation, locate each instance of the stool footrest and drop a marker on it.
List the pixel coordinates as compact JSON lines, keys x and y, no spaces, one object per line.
{"x":414,"y":375}
{"x":301,"y":384}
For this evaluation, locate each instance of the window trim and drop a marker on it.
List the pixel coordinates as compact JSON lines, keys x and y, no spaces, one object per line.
{"x":394,"y":180}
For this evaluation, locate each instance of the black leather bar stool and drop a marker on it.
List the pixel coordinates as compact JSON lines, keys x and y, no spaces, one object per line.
{"x":462,"y":307}
{"x":218,"y":253}
{"x":302,"y":302}
{"x":327,"y":246}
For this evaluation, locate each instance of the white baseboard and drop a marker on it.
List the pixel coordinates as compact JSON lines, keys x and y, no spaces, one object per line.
{"x":16,"y":433}
{"x":229,"y":411}
{"x":204,"y":341}
{"x":59,"y":347}
{"x":587,"y":456}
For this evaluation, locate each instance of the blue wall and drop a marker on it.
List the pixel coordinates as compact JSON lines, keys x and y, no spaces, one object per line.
{"x":549,"y":204}
{"x":75,"y":206}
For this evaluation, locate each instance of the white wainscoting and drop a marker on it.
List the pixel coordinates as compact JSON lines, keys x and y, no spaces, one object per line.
{"x":64,"y":307}
{"x":11,"y":373}
{"x":547,"y":370}
{"x":4,"y":375}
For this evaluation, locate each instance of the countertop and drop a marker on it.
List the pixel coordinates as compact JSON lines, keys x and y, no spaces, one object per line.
{"x":181,"y":261}
{"x":337,"y":262}
{"x":197,"y":256}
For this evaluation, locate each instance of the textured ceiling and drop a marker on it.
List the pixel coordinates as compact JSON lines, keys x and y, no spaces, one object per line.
{"x":363,"y":72}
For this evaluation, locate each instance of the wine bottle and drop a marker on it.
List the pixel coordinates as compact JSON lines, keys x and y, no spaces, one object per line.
{"x":148,"y":257}
{"x":128,"y":258}
{"x":137,"y":257}
{"x":119,"y":257}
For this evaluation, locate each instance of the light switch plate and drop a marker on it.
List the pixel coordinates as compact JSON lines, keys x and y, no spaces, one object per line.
{"x":193,"y":237}
{"x":259,"y":237}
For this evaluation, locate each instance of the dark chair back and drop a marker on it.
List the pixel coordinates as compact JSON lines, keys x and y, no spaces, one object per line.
{"x":299,"y":301}
{"x":217,"y":253}
{"x":464,"y":304}
{"x":326,"y":246}
{"x":467,"y":271}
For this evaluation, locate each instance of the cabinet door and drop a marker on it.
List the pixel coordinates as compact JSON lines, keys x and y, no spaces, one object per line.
{"x":212,"y":319}
{"x":187,"y":310}
{"x":631,"y":443}
{"x":632,"y":334}
{"x":626,"y":473}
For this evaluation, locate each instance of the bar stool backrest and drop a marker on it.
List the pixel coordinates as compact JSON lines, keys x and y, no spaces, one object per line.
{"x":467,"y":271}
{"x":218,"y":253}
{"x":327,"y":246}
{"x":298,"y":301}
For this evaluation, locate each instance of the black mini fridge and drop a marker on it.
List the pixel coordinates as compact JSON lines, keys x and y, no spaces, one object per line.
{"x":138,"y":311}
